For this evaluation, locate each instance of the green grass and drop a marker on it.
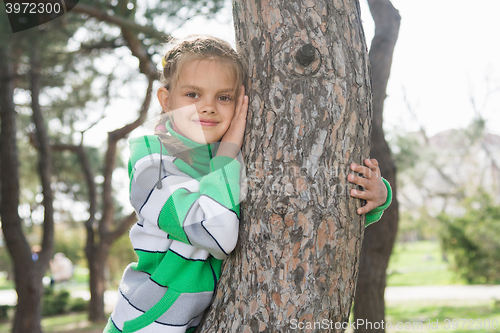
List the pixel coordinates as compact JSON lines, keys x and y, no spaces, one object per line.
{"x":72,"y":322}
{"x":446,"y":314}
{"x":4,"y":283}
{"x":419,"y":264}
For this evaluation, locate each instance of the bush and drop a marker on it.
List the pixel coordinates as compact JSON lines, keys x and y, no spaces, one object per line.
{"x":78,"y":305}
{"x":55,"y":302}
{"x":473,"y":239}
{"x":4,"y":312}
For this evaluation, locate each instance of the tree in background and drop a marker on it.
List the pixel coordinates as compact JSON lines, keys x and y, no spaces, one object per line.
{"x":379,"y":239}
{"x":28,"y":273}
{"x":309,"y":118}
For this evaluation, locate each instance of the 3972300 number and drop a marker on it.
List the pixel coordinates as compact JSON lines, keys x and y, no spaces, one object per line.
{"x":33,"y":7}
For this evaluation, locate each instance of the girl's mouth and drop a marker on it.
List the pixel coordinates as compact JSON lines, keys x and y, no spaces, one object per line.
{"x":205,"y":122}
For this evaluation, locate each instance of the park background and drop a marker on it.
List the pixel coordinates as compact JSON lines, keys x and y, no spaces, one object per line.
{"x":442,"y":121}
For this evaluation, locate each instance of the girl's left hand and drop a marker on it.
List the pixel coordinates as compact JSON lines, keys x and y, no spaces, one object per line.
{"x":375,"y":191}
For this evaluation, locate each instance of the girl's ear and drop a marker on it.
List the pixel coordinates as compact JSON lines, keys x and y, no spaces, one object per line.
{"x":163,"y":97}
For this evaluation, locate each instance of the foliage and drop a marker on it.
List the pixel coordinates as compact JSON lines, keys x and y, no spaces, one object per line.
{"x":4,"y":312}
{"x":473,"y":238}
{"x":120,"y":255}
{"x":54,"y":302}
{"x":59,"y":302}
{"x":68,"y":240}
{"x":5,"y":261}
{"x":78,"y":305}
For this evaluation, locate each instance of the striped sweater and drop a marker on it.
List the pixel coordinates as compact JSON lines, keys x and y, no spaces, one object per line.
{"x":188,"y":223}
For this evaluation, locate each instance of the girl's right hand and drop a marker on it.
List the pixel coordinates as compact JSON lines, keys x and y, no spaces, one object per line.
{"x":232,"y":140}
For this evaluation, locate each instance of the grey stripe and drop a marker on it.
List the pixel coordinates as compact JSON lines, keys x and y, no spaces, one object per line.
{"x":200,"y":238}
{"x":186,"y":307}
{"x":142,"y":293}
{"x":138,"y":288}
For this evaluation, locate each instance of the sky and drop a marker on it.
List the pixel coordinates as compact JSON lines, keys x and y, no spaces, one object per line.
{"x":447,"y":53}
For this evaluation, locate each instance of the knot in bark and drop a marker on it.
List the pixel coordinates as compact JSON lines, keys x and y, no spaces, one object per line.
{"x":306,"y":55}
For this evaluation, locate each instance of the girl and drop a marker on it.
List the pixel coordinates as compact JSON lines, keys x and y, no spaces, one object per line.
{"x":185,"y":190}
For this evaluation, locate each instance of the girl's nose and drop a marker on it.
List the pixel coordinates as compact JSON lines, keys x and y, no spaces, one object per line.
{"x":207,"y":106}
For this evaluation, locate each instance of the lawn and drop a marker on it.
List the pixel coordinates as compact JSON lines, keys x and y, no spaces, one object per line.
{"x":445,"y":316}
{"x":69,"y":323}
{"x":419,"y":264}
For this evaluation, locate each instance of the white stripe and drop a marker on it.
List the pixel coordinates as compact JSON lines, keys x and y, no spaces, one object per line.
{"x":188,"y":251}
{"x":151,"y":210}
{"x":224,"y":229}
{"x":149,"y":238}
{"x":209,"y":207}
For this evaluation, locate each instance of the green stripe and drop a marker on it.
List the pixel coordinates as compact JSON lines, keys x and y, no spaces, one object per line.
{"x":148,"y":261}
{"x":110,"y":327}
{"x":186,"y":275}
{"x":174,"y":212}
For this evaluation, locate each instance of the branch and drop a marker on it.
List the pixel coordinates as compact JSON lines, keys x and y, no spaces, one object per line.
{"x":110,"y":160}
{"x":104,"y":44}
{"x":387,"y":22}
{"x":130,"y":30}
{"x":120,"y":21}
{"x":44,"y":159}
{"x":123,"y":226}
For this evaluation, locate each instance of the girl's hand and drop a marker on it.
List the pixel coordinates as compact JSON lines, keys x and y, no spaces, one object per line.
{"x":232,"y":140}
{"x":375,"y":192}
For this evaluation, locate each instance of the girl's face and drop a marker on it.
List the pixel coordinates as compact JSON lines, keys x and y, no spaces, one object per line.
{"x":203,"y":100}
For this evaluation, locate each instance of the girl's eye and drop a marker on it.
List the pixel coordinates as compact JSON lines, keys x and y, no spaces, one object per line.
{"x":225,"y":98}
{"x":192,"y":95}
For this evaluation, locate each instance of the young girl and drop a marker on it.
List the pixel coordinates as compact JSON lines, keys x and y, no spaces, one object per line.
{"x":185,"y":189}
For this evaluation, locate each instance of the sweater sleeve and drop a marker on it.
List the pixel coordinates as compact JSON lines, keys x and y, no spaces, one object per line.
{"x":201,"y":212}
{"x":376,"y":214}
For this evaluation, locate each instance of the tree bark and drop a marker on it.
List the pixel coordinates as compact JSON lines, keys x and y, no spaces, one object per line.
{"x":310,"y":117}
{"x":379,"y":238}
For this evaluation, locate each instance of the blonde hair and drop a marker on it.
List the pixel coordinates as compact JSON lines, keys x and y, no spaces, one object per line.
{"x":195,"y":47}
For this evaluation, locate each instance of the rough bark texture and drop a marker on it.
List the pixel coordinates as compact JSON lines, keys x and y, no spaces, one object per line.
{"x":379,"y":238}
{"x":309,"y":118}
{"x":28,"y":274}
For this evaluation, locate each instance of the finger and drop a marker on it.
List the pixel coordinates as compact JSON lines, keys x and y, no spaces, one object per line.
{"x":239,"y":102}
{"x":365,"y":209}
{"x":365,"y":195}
{"x":366,"y":172}
{"x":242,"y":116}
{"x":372,"y":164}
{"x":358,"y":180}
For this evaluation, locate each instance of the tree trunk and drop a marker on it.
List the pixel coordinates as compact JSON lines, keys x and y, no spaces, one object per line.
{"x":295,"y":265}
{"x":379,"y":238}
{"x":97,"y":283}
{"x":28,"y":312}
{"x":27,"y":273}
